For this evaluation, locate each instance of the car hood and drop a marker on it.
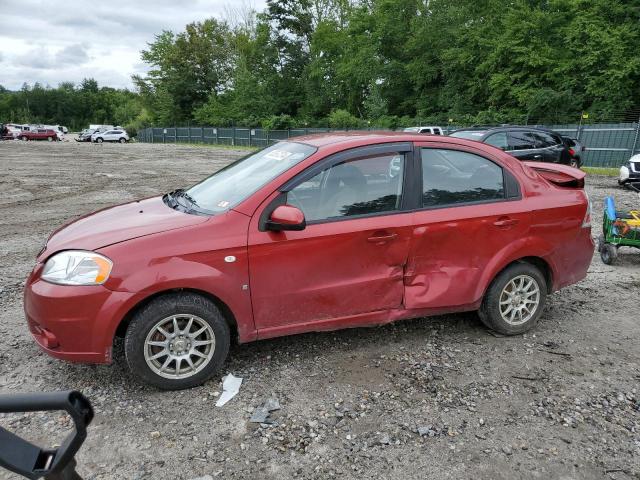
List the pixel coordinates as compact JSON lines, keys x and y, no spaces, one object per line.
{"x":118,"y":224}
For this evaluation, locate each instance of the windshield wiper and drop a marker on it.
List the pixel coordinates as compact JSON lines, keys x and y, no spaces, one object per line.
{"x":182,"y":193}
{"x":189,"y":206}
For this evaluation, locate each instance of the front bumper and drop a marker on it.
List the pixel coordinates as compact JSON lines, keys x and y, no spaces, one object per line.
{"x":75,"y":323}
{"x":628,"y":175}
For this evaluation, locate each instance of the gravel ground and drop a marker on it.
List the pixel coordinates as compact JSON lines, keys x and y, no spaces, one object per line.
{"x":438,"y":397}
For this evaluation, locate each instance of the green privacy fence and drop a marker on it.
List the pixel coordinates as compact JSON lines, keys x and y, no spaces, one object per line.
{"x":607,"y":144}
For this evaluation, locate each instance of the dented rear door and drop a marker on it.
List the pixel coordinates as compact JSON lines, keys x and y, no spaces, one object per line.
{"x":469,"y":215}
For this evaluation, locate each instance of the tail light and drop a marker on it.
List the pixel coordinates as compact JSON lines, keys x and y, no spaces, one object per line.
{"x":586,"y":222}
{"x":572,"y":152}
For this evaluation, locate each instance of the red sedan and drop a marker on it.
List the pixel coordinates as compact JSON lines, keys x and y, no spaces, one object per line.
{"x":318,"y":233}
{"x":38,"y":134}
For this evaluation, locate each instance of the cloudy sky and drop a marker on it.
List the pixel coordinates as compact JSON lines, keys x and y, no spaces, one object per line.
{"x":52,"y":42}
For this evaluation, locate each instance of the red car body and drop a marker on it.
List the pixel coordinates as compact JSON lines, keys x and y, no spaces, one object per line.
{"x":39,"y":134}
{"x":361,"y":271}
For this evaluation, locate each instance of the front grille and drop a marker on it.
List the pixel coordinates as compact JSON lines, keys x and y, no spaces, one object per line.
{"x":636,"y":166}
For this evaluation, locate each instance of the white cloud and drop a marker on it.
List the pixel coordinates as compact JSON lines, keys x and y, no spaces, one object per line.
{"x":78,"y":39}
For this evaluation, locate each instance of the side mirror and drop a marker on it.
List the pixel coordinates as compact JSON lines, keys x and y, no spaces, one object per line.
{"x":286,"y":217}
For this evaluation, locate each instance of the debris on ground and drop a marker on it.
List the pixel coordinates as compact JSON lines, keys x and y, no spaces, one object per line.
{"x":230,"y":388}
{"x":262,"y":413}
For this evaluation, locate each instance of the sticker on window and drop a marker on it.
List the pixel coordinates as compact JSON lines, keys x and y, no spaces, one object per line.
{"x":278,"y":155}
{"x":223,"y":204}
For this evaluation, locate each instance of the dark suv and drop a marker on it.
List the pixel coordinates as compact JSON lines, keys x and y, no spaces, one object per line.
{"x":524,"y":143}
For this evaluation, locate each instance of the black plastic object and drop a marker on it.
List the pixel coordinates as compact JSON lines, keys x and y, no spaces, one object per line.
{"x":30,"y":461}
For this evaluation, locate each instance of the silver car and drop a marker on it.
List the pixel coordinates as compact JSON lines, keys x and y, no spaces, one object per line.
{"x":115,"y":135}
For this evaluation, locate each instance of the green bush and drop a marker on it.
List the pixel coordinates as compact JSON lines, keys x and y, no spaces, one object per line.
{"x":343,"y":120}
{"x":278,"y":122}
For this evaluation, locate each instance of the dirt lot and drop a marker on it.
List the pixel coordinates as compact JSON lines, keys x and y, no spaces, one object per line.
{"x":436,"y":398}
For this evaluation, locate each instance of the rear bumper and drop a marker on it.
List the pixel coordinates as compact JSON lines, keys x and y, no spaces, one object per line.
{"x":577,"y":260}
{"x":75,"y":323}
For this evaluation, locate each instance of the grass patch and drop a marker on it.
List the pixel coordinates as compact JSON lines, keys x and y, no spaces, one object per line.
{"x":608,"y":172}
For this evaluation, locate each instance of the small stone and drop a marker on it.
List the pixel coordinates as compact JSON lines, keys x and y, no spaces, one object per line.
{"x":155,"y":434}
{"x":385,"y":440}
{"x":507,"y":450}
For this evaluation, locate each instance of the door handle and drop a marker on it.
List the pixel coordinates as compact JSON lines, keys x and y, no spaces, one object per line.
{"x":382,"y":237}
{"x":505,"y":222}
{"x":537,"y":157}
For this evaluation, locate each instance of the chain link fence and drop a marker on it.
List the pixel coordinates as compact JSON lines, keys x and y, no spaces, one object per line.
{"x":606,"y":144}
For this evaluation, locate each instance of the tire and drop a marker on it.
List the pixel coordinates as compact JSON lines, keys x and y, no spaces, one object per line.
{"x":608,"y":254}
{"x":192,"y":313}
{"x":575,"y":163}
{"x":24,"y":139}
{"x":123,"y":140}
{"x":49,"y":139}
{"x":494,"y":314}
{"x":99,"y":140}
{"x":601,"y":243}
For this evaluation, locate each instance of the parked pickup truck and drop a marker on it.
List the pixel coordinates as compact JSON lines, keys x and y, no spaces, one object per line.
{"x":38,"y":134}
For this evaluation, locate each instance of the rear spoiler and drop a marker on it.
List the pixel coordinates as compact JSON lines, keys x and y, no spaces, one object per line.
{"x":561,"y":175}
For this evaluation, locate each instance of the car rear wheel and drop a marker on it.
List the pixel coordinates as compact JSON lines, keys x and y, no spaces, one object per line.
{"x":177,"y":341}
{"x":24,"y":139}
{"x":123,"y":140}
{"x":515,"y":299}
{"x":608,"y":253}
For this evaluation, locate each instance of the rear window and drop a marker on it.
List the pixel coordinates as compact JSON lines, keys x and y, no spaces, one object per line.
{"x":469,"y":134}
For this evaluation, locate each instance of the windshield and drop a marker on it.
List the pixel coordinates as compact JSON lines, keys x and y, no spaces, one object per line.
{"x":234,"y":183}
{"x":411,"y":129}
{"x":469,"y":134}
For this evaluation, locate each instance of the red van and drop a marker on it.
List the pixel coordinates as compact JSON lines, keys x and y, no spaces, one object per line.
{"x":38,"y":134}
{"x":317,"y":233}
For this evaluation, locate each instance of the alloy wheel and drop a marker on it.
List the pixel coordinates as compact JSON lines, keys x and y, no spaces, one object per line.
{"x":179,"y":346}
{"x":519,"y":300}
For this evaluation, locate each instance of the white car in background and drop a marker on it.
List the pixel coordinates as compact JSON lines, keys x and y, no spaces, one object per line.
{"x":429,"y":130}
{"x":115,"y":135}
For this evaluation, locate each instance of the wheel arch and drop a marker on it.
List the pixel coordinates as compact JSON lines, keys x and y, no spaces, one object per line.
{"x":538,"y":262}
{"x":121,"y":329}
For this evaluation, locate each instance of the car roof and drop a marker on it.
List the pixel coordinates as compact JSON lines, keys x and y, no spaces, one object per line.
{"x":505,"y":128}
{"x":357,"y":137}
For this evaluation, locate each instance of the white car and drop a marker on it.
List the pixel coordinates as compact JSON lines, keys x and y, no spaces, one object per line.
{"x":429,"y":130}
{"x":116,"y":135}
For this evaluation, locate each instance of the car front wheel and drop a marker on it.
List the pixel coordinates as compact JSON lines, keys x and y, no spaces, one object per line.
{"x":515,"y":299}
{"x":49,"y":139}
{"x":177,"y":341}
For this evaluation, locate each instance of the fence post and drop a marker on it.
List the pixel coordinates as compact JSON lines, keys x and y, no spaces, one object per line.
{"x":164,"y":135}
{"x":288,"y":133}
{"x":267,"y":133}
{"x":635,"y":138}
{"x":202,"y":134}
{"x":233,"y":138}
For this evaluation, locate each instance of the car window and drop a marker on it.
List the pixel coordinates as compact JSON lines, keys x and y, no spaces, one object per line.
{"x":544,"y":140}
{"x":437,"y":131}
{"x":452,"y":177}
{"x":358,"y":187}
{"x":498,"y":140}
{"x":117,"y":132}
{"x":521,"y":140}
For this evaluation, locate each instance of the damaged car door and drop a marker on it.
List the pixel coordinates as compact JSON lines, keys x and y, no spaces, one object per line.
{"x":471,"y":212}
{"x":349,"y":257}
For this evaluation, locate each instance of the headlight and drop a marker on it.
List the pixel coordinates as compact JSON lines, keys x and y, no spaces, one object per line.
{"x":75,"y":267}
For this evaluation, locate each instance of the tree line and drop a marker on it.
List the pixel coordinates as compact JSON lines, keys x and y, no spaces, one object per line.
{"x":383,"y":63}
